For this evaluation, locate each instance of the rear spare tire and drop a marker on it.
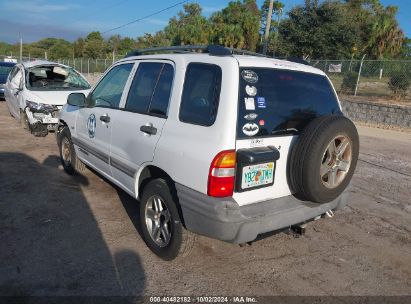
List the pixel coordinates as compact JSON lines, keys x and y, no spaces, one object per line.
{"x":324,"y":158}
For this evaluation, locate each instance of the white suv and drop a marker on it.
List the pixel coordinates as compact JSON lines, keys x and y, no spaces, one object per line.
{"x":224,"y":145}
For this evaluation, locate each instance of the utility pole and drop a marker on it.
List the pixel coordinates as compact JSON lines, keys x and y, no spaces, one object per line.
{"x":21,"y":48}
{"x":268,"y":26}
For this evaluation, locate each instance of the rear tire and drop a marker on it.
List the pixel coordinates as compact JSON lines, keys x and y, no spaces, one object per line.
{"x":162,"y":227}
{"x":71,"y":163}
{"x":324,"y":158}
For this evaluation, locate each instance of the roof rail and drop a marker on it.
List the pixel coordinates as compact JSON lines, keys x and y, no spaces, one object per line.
{"x":298,"y":60}
{"x":215,"y":50}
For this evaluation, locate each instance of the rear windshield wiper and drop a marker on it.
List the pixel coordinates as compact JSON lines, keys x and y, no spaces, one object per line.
{"x":284,"y":131}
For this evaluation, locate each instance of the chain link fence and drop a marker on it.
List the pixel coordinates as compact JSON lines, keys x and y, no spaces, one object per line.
{"x":376,"y":79}
{"x":372,"y":79}
{"x":83,"y":65}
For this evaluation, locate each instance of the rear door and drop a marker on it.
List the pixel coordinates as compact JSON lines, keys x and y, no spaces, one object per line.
{"x":140,"y":123}
{"x":274,"y":107}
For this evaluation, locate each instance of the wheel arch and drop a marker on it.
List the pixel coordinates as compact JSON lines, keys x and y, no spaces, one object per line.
{"x":149,"y":172}
{"x":62,"y":124}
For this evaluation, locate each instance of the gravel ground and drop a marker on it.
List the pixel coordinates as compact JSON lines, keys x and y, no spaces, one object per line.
{"x":61,"y":235}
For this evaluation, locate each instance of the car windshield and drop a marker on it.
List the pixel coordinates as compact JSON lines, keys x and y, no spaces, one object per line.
{"x":5,"y":70}
{"x":278,"y":102}
{"x":44,"y":78}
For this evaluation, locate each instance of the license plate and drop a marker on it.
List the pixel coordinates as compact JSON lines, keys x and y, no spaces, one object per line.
{"x":257,"y":175}
{"x":50,"y":120}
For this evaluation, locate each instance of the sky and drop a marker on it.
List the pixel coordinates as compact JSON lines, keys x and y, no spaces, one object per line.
{"x":37,"y":19}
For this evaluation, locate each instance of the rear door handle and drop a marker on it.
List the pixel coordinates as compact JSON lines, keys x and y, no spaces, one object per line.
{"x":105,"y":118}
{"x":149,"y":129}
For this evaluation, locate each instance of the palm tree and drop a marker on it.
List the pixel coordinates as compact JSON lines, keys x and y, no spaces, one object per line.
{"x":386,"y":36}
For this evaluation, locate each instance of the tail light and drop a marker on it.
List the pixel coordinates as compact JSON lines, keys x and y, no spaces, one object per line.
{"x":221,"y":175}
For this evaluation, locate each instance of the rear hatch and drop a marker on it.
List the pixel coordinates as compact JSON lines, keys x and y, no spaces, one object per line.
{"x":274,"y":107}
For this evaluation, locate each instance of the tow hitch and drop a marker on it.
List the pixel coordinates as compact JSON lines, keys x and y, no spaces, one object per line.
{"x":298,"y":230}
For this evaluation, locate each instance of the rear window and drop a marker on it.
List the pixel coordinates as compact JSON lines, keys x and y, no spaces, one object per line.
{"x":278,"y":102}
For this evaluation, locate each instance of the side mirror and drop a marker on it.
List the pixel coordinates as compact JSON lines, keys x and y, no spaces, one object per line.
{"x":76,"y":99}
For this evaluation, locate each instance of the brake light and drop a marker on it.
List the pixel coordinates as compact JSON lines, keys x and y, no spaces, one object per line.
{"x":221,"y":175}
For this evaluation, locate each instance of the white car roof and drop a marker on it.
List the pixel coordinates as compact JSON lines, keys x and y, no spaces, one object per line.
{"x":243,"y":61}
{"x":30,"y":64}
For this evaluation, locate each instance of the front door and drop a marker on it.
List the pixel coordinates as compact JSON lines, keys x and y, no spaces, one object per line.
{"x":135,"y":135}
{"x":94,"y":122}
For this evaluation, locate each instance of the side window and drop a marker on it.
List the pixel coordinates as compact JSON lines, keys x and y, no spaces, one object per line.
{"x":108,"y":92}
{"x":201,"y":94}
{"x":161,"y":96}
{"x":150,"y":89}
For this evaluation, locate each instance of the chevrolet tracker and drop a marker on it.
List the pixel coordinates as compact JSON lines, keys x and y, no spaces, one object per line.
{"x":213,"y":141}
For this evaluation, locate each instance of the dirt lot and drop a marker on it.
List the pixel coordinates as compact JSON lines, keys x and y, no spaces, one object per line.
{"x":61,"y":235}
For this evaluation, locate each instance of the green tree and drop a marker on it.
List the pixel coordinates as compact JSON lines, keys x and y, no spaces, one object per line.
{"x":237,"y":25}
{"x":406,"y":49}
{"x":189,"y":27}
{"x":79,"y":46}
{"x":127,"y":44}
{"x":149,"y":40}
{"x":278,"y":7}
{"x":113,"y":44}
{"x":378,"y":30}
{"x":94,"y":45}
{"x":319,"y":31}
{"x":387,"y":38}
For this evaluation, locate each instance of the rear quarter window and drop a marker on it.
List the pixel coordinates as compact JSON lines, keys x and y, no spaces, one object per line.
{"x":201,"y":94}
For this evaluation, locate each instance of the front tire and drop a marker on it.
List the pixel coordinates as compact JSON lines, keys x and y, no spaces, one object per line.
{"x":24,"y":120}
{"x":163,"y":231}
{"x":71,"y":163}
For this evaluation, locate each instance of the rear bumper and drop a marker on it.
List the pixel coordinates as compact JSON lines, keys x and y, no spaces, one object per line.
{"x":225,"y":220}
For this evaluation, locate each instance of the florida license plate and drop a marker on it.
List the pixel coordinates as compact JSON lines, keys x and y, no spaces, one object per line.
{"x":257,"y":175}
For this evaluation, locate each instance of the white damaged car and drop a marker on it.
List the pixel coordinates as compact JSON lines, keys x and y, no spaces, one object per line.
{"x":36,"y":91}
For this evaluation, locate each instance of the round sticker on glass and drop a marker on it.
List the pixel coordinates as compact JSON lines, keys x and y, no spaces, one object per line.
{"x":249,"y":76}
{"x":251,"y":90}
{"x":250,"y":129}
{"x":251,"y":116}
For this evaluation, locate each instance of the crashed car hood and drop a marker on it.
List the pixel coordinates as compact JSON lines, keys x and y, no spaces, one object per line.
{"x":57,"y":98}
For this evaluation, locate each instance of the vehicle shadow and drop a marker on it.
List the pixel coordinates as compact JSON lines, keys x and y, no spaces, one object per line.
{"x":130,"y":204}
{"x":132,"y":207}
{"x":51,"y":243}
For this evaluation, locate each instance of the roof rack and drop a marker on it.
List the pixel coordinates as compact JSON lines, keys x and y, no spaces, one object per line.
{"x":214,"y":50}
